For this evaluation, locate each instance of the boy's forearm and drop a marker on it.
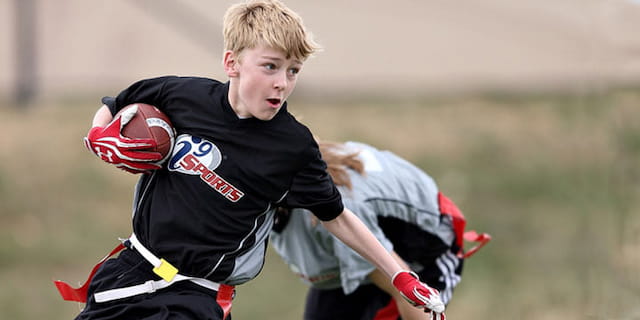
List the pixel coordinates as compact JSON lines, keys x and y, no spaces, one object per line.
{"x":350,"y":230}
{"x":102,"y":117}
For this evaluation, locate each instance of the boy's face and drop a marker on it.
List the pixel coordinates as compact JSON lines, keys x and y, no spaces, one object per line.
{"x":262,"y":78}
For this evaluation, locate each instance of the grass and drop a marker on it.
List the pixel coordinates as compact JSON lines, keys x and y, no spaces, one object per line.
{"x":554,"y":179}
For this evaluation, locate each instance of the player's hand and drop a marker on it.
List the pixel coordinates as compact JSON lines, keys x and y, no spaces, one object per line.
{"x":419,"y":294}
{"x":125,"y":153}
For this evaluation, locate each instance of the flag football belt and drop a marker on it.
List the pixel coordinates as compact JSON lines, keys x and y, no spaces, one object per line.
{"x":161,"y":267}
{"x":449,"y":208}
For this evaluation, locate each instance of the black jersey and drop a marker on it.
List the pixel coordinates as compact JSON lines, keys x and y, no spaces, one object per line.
{"x":209,"y":210}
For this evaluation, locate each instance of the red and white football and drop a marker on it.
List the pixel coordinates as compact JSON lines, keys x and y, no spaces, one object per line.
{"x":150,"y":123}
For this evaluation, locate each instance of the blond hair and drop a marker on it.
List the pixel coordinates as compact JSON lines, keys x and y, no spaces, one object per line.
{"x":270,"y":23}
{"x":339,"y":159}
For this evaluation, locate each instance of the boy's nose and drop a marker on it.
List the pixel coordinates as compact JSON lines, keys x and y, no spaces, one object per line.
{"x":281,"y":81}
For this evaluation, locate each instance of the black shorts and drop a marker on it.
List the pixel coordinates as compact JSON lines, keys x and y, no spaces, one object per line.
{"x":182,"y":300}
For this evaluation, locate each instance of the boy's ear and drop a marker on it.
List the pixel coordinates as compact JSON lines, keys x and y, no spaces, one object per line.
{"x":230,"y":63}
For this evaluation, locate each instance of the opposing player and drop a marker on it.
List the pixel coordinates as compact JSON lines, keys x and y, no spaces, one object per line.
{"x":201,"y":222}
{"x":404,"y":209}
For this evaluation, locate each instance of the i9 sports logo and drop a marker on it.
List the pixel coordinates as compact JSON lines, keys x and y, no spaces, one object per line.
{"x":197,"y":156}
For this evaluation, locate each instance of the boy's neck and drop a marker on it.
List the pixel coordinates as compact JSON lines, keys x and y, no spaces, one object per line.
{"x":232,"y":97}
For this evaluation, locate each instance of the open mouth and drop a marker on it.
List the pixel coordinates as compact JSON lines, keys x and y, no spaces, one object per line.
{"x":274,"y":102}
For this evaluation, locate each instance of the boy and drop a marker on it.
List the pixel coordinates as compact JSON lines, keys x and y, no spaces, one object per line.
{"x":192,"y":241}
{"x":403,"y":208}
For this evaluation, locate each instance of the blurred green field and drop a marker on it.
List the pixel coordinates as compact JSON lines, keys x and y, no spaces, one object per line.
{"x":555,"y":179}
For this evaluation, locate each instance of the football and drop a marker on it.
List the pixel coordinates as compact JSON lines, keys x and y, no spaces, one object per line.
{"x":150,"y":123}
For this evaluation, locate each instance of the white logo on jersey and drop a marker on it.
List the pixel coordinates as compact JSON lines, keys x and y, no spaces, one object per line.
{"x":448,"y":263}
{"x":197,"y":156}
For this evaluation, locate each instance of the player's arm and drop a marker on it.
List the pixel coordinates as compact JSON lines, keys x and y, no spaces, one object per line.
{"x":406,"y":310}
{"x":102,"y":117}
{"x":349,"y":229}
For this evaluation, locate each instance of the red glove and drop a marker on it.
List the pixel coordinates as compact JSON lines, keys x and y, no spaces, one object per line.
{"x":125,"y":153}
{"x":419,"y":294}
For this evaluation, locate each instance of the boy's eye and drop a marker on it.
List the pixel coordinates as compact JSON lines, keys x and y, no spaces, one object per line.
{"x":294,"y":71}
{"x":270,"y":66}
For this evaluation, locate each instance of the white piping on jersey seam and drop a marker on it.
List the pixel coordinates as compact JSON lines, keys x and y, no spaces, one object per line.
{"x":144,"y":193}
{"x":284,"y":195}
{"x":255,"y":226}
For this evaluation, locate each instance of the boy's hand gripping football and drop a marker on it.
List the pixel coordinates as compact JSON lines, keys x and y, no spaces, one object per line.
{"x":111,"y":146}
{"x":419,"y":294}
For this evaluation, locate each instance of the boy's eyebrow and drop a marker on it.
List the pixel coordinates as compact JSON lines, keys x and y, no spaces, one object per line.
{"x":279,"y":59}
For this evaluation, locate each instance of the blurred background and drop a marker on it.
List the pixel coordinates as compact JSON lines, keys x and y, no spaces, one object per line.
{"x":526,"y":113}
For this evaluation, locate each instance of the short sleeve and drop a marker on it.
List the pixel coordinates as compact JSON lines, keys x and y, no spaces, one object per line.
{"x":144,"y":91}
{"x":313,"y":189}
{"x":354,"y":269}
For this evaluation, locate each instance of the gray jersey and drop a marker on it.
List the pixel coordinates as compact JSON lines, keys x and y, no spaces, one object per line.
{"x":391,"y":188}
